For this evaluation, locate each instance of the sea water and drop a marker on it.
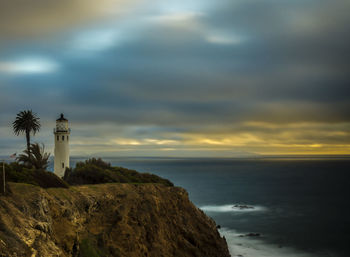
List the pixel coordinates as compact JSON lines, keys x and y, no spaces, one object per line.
{"x":299,"y":207}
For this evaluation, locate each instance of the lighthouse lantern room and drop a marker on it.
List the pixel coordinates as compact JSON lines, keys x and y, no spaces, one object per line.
{"x":61,"y":133}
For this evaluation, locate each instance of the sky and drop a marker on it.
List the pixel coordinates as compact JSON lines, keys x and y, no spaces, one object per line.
{"x":185,"y":78}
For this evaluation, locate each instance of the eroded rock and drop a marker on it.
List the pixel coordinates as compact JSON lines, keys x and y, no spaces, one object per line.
{"x":116,"y":219}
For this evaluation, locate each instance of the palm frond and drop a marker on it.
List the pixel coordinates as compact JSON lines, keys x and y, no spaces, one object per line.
{"x":36,"y":157}
{"x":26,"y":121}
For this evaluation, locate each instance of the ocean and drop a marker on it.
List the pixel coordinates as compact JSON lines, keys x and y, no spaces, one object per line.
{"x":299,"y":207}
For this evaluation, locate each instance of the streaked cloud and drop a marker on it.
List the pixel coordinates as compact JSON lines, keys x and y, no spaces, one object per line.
{"x":23,"y":19}
{"x":181,"y":19}
{"x":185,"y":78}
{"x":30,"y":65}
{"x":95,"y":40}
{"x":161,"y":142}
{"x":224,"y":39}
{"x":147,"y":141}
{"x":126,"y":141}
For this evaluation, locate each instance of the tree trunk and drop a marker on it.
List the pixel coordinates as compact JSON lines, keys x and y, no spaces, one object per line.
{"x":28,"y":141}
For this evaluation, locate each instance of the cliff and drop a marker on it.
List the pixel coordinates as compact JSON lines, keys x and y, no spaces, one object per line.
{"x":124,"y":220}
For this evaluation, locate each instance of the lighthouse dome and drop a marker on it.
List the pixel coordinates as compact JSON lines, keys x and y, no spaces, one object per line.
{"x":62,"y":124}
{"x":62,"y":118}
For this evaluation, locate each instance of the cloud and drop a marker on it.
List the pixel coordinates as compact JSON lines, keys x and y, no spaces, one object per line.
{"x":94,"y":40}
{"x":21,"y":18}
{"x":224,"y":39}
{"x":241,"y":76}
{"x":30,"y":65}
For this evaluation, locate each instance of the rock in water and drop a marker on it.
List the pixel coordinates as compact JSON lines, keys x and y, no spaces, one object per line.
{"x":242,"y":207}
{"x":106,"y":220}
{"x":251,"y":235}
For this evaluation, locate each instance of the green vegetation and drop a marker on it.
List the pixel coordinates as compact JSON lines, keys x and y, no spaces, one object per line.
{"x":28,"y":123}
{"x":88,"y":248}
{"x":96,"y":171}
{"x":16,"y":172}
{"x":30,"y":167}
{"x":92,"y":171}
{"x":36,"y":157}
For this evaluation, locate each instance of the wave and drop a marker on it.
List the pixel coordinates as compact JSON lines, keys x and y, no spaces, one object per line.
{"x":253,"y":247}
{"x":232,"y":208}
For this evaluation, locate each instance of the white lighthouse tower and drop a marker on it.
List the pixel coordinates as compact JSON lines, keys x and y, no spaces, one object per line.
{"x":61,"y":133}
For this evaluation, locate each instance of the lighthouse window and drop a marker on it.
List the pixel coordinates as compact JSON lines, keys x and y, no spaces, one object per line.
{"x":62,"y":138}
{"x":62,"y":164}
{"x":58,"y":138}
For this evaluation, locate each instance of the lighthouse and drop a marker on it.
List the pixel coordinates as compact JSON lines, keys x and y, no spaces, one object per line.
{"x":61,"y":133}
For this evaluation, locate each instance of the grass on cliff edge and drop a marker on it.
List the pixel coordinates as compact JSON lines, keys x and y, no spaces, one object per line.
{"x":92,"y":171}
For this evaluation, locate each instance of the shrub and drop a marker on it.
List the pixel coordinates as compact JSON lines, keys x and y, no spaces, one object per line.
{"x":19,"y":173}
{"x":88,"y":248}
{"x":96,"y":171}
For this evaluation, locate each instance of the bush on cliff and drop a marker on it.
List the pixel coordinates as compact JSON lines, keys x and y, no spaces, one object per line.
{"x":92,"y":171}
{"x":19,"y":173}
{"x":96,"y":171}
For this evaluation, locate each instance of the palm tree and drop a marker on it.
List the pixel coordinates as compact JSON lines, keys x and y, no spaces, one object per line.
{"x":37,"y":157}
{"x":26,"y":122}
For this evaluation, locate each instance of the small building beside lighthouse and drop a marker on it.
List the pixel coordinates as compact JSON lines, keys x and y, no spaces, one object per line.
{"x":61,"y":133}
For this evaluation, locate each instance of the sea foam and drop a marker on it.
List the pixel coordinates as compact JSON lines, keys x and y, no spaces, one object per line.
{"x":232,"y":208}
{"x":254,"y":247}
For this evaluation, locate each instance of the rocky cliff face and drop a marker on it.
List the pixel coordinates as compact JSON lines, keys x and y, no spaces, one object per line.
{"x":124,"y":220}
